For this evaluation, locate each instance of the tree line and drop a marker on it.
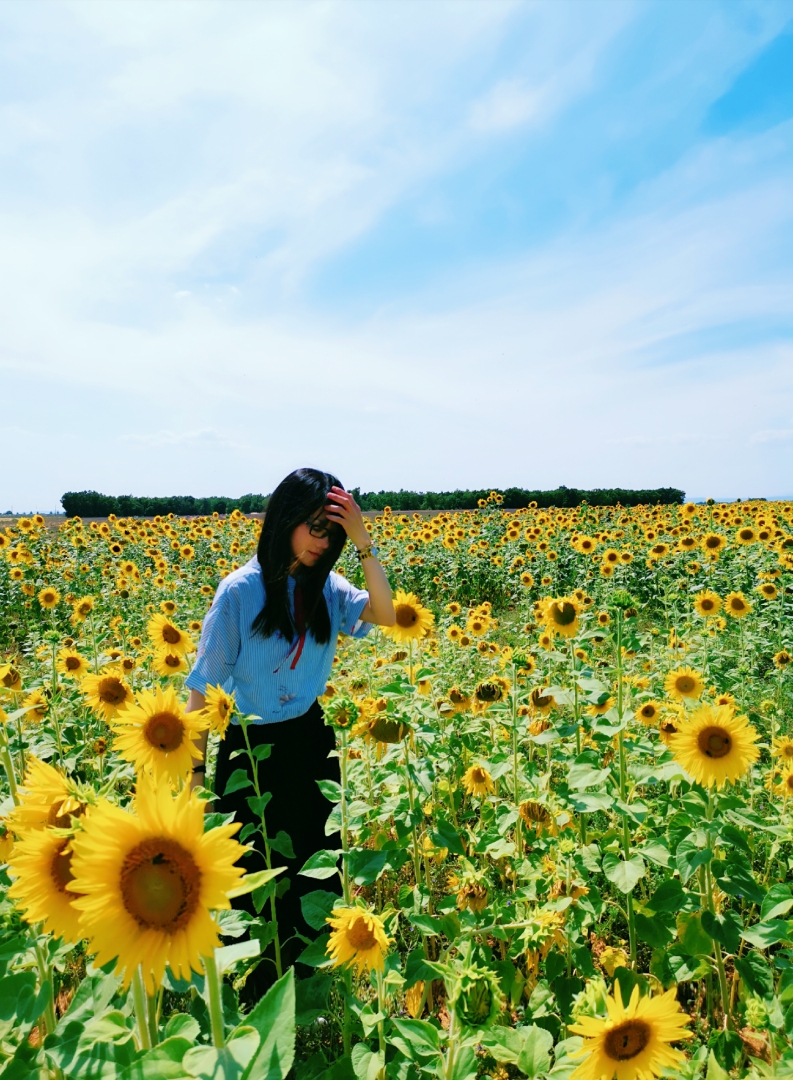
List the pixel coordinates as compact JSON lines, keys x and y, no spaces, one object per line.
{"x":94,"y":504}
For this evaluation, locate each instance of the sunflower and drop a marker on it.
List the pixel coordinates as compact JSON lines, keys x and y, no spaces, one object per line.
{"x":82,"y":608}
{"x":782,"y":659}
{"x":767,"y":590}
{"x":649,"y":713}
{"x":714,"y":745}
{"x":6,"y":842}
{"x":218,"y":710}
{"x":106,"y":693}
{"x":478,"y":781}
{"x":49,"y":598}
{"x":10,"y":678}
{"x":46,"y":798}
{"x":71,"y":663}
{"x":165,"y":634}
{"x":684,"y":683}
{"x":357,"y":937}
{"x":36,"y":704}
{"x":746,"y":536}
{"x":633,"y":1043}
{"x":736,"y":605}
{"x":149,"y":879}
{"x":167,"y":663}
{"x":538,"y":817}
{"x":41,"y":863}
{"x":156,"y":734}
{"x":413,"y":620}
{"x":453,"y":632}
{"x":707,"y":603}
{"x":561,"y":616}
{"x":477,"y":624}
{"x":712,"y":544}
{"x":785,"y":786}
{"x":460,"y":701}
{"x":783,"y":748}
{"x":490,"y":690}
{"x":540,"y":701}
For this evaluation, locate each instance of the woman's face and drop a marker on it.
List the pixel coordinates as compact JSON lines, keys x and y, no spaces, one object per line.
{"x":308,"y":546}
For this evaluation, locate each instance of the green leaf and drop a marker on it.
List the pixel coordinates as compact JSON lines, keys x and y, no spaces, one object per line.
{"x":227,"y":1062}
{"x":445,"y":835}
{"x":624,"y":874}
{"x":689,"y":857}
{"x":655,"y":932}
{"x":254,"y":881}
{"x":367,"y":1064}
{"x":164,"y":1062}
{"x":311,"y":998}
{"x":17,"y":992}
{"x":416,"y":969}
{"x":580,"y":777}
{"x":282,"y":843}
{"x":322,"y":864}
{"x":92,"y":997}
{"x":627,"y":981}
{"x":692,"y":937}
{"x":262,"y":751}
{"x":738,"y":881}
{"x":777,"y":901}
{"x":229,"y":955}
{"x":315,"y":954}
{"x":274,"y":1019}
{"x":238,"y":781}
{"x":714,"y":1070}
{"x":366,"y":865}
{"x":317,"y":906}
{"x":656,"y":852}
{"x":465,"y":1064}
{"x":416,"y":1039}
{"x":257,"y":804}
{"x":765,"y":934}
{"x":727,"y":1046}
{"x":725,"y":928}
{"x":330,"y":789}
{"x":756,"y":974}
{"x":670,"y":896}
{"x":184,"y":1026}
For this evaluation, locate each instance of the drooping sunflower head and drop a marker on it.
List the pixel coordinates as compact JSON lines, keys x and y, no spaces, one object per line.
{"x":714,"y":745}
{"x":413,"y":620}
{"x":684,"y":683}
{"x":157,"y":735}
{"x":149,"y":880}
{"x":478,"y":781}
{"x":540,"y":701}
{"x":782,"y":659}
{"x":357,"y":938}
{"x":47,"y":798}
{"x":538,"y":817}
{"x":165,"y":634}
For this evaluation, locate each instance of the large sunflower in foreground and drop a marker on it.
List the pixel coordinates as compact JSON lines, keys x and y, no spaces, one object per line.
{"x":45,"y":798}
{"x":633,"y":1043}
{"x":149,"y":881}
{"x":41,"y":863}
{"x":156,"y":734}
{"x":165,"y":634}
{"x":714,"y":745}
{"x":413,"y":620}
{"x":684,"y":683}
{"x":358,"y":937}
{"x":106,"y":693}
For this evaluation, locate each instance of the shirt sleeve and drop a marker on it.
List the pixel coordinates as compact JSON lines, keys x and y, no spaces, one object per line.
{"x":351,"y":603}
{"x":220,"y":643}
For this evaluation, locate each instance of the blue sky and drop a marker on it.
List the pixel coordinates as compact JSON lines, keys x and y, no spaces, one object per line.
{"x":421,"y":244}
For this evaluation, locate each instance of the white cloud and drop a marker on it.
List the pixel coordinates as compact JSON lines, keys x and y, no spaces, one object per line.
{"x":206,"y":438}
{"x":772,"y":435}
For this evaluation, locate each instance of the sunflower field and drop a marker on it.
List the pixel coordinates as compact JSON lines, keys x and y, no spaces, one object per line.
{"x":561,"y":843}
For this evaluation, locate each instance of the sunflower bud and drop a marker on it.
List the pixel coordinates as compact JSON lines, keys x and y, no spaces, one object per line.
{"x":476,"y":997}
{"x":341,"y":712}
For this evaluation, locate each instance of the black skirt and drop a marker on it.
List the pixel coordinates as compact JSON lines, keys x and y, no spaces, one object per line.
{"x":298,"y":759}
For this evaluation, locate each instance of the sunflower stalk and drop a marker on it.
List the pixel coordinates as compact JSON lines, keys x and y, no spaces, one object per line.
{"x":8,"y":765}
{"x":46,"y":980}
{"x":140,"y":1002}
{"x":725,"y":996}
{"x":345,"y":840}
{"x":268,"y":855}
{"x":214,"y":1001}
{"x":626,"y":836}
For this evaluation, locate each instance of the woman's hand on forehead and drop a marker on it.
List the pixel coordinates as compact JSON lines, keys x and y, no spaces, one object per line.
{"x":343,"y":509}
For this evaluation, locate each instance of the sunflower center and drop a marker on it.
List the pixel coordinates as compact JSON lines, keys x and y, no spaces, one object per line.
{"x":707,"y":605}
{"x":488,"y":691}
{"x":61,"y":868}
{"x":477,"y":775}
{"x":736,"y":604}
{"x":406,"y":615}
{"x":171,"y":635}
{"x":360,"y":935}
{"x":160,"y":885}
{"x":684,"y":684}
{"x":713,"y":542}
{"x":787,"y":750}
{"x":626,"y":1040}
{"x":171,"y":660}
{"x":714,"y":742}
{"x":112,"y":691}
{"x":165,"y":731}
{"x":72,"y":663}
{"x":648,"y":711}
{"x":563,"y":614}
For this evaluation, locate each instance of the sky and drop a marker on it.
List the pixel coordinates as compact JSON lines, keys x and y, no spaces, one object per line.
{"x":419,"y":244}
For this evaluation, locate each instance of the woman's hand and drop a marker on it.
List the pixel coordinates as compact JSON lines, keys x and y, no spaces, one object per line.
{"x":343,"y":509}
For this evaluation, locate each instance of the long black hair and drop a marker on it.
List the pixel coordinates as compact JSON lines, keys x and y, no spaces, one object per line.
{"x":294,"y":501}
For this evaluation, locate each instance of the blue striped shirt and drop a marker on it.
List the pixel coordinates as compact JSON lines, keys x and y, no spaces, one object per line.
{"x":271,"y":678}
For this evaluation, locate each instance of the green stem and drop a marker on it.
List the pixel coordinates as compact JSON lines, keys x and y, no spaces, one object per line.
{"x":416,"y":853}
{"x":45,"y":977}
{"x":215,"y":1001}
{"x":345,"y":866}
{"x":626,"y":836}
{"x":140,"y":1001}
{"x":725,"y":997}
{"x":8,"y":765}
{"x":451,"y":1053}
{"x":381,"y":1009}
{"x":268,"y":855}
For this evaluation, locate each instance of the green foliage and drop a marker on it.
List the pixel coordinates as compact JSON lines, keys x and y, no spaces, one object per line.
{"x":94,"y":504}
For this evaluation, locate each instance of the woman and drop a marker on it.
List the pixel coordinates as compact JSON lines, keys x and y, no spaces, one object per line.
{"x":270,"y":637}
